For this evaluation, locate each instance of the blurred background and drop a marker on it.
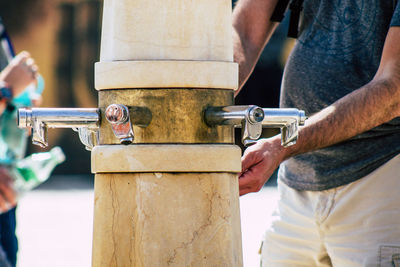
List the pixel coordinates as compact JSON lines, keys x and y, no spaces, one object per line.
{"x":63,"y":36}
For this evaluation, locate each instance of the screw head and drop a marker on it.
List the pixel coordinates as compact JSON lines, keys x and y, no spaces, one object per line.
{"x":116,"y":114}
{"x":256,"y":114}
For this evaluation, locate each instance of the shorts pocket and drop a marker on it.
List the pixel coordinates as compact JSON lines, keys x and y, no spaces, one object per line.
{"x":389,"y":256}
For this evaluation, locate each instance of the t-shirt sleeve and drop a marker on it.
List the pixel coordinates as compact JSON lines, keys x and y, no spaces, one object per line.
{"x":396,"y":15}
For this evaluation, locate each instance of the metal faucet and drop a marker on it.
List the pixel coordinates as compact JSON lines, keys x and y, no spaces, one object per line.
{"x":253,"y":118}
{"x":83,"y":120}
{"x":288,"y":120}
{"x":86,"y":121}
{"x":249,"y":118}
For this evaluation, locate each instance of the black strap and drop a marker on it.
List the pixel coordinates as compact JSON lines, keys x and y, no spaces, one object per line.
{"x":296,"y":6}
{"x":279,"y":11}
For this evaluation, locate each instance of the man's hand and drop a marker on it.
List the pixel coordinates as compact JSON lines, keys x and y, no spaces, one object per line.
{"x":258,"y":164}
{"x":8,"y":198}
{"x":20,"y":73}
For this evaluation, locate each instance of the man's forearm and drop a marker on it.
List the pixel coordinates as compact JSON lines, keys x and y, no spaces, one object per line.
{"x":372,"y":105}
{"x":368,"y":107}
{"x":252,"y":29}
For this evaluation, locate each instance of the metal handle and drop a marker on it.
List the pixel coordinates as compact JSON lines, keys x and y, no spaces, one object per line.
{"x":249,"y":118}
{"x":118,"y":116}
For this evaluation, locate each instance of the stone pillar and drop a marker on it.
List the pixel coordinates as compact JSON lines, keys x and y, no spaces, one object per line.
{"x":170,"y":198}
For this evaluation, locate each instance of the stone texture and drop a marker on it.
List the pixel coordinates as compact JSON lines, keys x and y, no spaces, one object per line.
{"x":166,"y":74}
{"x":166,"y":30}
{"x":167,"y":219}
{"x":150,"y":217}
{"x":166,"y":158}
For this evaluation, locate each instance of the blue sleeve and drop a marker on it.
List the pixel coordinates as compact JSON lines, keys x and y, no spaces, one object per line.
{"x":396,"y":15}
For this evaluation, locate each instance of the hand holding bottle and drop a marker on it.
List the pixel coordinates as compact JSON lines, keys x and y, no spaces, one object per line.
{"x":19,"y":73}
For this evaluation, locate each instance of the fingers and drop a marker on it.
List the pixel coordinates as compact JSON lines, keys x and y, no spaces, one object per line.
{"x":249,"y":159}
{"x":249,"y":178}
{"x":29,"y":63}
{"x":20,"y":73}
{"x":37,"y":101}
{"x":24,"y":60}
{"x":258,"y":164}
{"x":21,"y":57}
{"x":252,"y":180}
{"x":34,"y":69}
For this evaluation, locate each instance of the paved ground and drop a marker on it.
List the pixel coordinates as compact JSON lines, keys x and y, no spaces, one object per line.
{"x":55,"y":223}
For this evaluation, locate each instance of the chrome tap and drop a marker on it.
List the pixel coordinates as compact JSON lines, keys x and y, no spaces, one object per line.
{"x":288,"y":120}
{"x":249,"y":118}
{"x":83,"y":120}
{"x":253,"y":118}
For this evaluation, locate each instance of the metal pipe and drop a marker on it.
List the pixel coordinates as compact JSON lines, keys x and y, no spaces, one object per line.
{"x":288,"y":120}
{"x":280,"y":117}
{"x":233,"y":115}
{"x":59,"y":117}
{"x":39,"y":119}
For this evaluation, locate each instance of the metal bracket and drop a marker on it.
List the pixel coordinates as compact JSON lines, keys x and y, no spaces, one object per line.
{"x":89,"y":137}
{"x":288,"y":120}
{"x":118,"y":116}
{"x":251,"y":125}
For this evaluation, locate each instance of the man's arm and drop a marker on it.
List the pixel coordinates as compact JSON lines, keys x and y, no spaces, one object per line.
{"x":252,"y":29}
{"x":365,"y":108}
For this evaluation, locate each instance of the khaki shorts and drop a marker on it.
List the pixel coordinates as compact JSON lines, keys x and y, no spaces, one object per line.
{"x":353,"y":225}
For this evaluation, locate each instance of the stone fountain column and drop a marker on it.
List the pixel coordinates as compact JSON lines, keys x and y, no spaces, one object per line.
{"x":171,"y":197}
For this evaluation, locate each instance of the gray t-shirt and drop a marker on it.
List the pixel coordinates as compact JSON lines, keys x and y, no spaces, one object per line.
{"x":338,"y":51}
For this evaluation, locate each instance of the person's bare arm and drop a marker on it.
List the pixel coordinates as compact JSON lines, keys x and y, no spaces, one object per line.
{"x":371,"y":105}
{"x":252,"y":29}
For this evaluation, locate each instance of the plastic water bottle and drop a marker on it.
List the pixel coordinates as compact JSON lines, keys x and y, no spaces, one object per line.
{"x":36,"y":169}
